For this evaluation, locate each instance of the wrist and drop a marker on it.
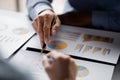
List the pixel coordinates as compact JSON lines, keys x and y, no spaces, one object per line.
{"x":46,"y":10}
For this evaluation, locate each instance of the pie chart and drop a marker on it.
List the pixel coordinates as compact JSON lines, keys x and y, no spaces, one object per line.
{"x":82,"y":72}
{"x":57,"y":45}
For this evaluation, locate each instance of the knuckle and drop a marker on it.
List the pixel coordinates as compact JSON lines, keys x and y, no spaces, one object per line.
{"x":46,"y":28}
{"x":46,"y":15}
{"x":42,"y":40}
{"x":47,"y":68}
{"x":38,"y":30}
{"x":59,"y":57}
{"x":64,"y":57}
{"x":40,"y":16}
{"x":67,"y":58}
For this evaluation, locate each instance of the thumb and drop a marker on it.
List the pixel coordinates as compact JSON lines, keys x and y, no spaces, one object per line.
{"x":45,"y":62}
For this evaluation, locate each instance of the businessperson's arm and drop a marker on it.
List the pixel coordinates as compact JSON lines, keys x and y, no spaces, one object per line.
{"x":45,"y":21}
{"x":106,"y":15}
{"x":108,"y":20}
{"x":36,"y":6}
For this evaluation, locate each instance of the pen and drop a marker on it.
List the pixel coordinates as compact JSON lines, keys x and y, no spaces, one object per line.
{"x":44,"y":44}
{"x":72,"y":56}
{"x":43,"y":47}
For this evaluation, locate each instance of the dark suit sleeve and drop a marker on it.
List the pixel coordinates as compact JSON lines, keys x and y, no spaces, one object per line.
{"x":36,"y":6}
{"x":109,"y":18}
{"x":7,"y":72}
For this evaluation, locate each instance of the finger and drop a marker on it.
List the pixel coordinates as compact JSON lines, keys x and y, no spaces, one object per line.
{"x":40,"y":29}
{"x":51,"y":54}
{"x":56,"y":26}
{"x":58,"y":55}
{"x":45,"y":62}
{"x":73,"y":67}
{"x":54,"y":54}
{"x":47,"y":27}
{"x":34,"y":24}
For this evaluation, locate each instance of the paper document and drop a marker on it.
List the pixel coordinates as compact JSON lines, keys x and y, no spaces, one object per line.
{"x":15,"y":30}
{"x":87,"y":43}
{"x":32,"y":63}
{"x":75,"y":41}
{"x":93,"y":44}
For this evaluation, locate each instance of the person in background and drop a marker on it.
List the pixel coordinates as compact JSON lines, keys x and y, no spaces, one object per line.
{"x":61,"y":67}
{"x":100,"y":14}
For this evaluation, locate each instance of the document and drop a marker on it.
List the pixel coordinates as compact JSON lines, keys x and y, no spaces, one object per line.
{"x":32,"y":64}
{"x":15,"y":30}
{"x":87,"y":43}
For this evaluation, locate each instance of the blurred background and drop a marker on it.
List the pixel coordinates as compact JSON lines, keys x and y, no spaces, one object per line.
{"x":20,"y":5}
{"x":13,"y":5}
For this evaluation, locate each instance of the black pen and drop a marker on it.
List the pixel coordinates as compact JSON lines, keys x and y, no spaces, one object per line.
{"x":44,"y":44}
{"x":43,"y":48}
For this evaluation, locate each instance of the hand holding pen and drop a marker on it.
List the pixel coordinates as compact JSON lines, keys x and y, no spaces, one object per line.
{"x":46,"y":24}
{"x":59,"y":66}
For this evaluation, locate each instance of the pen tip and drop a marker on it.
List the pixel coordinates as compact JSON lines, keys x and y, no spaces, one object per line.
{"x":44,"y":46}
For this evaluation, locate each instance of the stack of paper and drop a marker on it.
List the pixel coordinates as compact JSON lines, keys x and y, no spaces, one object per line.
{"x":15,"y":30}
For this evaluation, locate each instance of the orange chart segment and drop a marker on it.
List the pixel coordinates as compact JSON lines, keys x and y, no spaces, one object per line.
{"x":57,"y":45}
{"x":82,"y":72}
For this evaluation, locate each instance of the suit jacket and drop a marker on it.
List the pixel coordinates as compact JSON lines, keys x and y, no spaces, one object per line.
{"x":105,"y":13}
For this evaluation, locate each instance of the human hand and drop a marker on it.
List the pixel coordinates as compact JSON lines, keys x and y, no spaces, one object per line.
{"x":45,"y":24}
{"x":61,"y":68}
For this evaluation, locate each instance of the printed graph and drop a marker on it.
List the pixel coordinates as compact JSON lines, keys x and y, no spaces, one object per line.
{"x":82,"y":72}
{"x":86,"y":49}
{"x":89,"y":37}
{"x":67,"y":35}
{"x":96,"y":49}
{"x":57,"y":45}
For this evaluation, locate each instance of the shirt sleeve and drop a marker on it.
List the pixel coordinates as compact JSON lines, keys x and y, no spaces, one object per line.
{"x":36,"y":6}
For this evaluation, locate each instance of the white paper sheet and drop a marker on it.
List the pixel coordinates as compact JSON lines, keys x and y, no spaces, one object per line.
{"x":92,"y":44}
{"x":32,"y":62}
{"x":15,"y":30}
